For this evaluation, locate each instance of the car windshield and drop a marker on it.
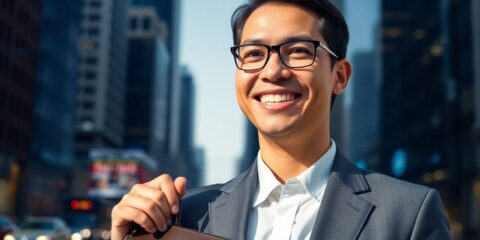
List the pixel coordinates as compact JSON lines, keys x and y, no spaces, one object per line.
{"x":81,"y":220}
{"x":41,"y":225}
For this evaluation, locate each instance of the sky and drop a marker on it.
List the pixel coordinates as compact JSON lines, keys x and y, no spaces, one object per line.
{"x":204,"y":48}
{"x":205,"y":41}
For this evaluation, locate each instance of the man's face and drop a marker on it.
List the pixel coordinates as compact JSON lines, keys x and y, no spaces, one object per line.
{"x":281,"y":101}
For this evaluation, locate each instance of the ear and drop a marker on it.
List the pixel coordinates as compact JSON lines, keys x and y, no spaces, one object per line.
{"x":343,"y":71}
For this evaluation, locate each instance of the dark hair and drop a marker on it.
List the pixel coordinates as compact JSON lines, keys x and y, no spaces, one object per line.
{"x":334,"y":29}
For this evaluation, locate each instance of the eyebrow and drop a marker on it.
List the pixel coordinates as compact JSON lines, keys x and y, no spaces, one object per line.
{"x":289,"y":39}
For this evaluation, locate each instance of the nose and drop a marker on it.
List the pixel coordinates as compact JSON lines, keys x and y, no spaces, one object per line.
{"x":275,"y":70}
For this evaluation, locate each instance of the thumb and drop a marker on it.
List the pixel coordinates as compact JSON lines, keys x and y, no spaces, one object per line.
{"x":180,"y":185}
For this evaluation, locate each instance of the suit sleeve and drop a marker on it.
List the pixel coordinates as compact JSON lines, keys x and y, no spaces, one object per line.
{"x":431,"y":222}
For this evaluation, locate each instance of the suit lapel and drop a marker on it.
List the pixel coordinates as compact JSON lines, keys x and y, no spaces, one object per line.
{"x":229,"y":213}
{"x":343,"y":213}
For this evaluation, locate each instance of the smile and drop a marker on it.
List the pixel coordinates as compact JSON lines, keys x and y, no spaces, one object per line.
{"x":272,"y":99}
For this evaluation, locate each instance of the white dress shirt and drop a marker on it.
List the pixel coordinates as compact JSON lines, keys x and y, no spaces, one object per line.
{"x":289,"y":211}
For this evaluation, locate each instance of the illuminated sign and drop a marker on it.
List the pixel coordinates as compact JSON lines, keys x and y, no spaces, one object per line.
{"x":112,"y":178}
{"x":114,"y":172}
{"x":81,"y":205}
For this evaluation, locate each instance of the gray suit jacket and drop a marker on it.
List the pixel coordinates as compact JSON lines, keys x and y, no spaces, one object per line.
{"x":357,"y":204}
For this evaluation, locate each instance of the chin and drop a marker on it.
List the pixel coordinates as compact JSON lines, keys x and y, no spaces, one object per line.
{"x":276,"y":131}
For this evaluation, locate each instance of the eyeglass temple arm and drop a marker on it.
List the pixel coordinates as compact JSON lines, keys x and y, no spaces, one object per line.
{"x":328,"y":50}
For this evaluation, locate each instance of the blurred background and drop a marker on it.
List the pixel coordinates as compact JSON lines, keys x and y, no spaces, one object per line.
{"x":97,"y":95}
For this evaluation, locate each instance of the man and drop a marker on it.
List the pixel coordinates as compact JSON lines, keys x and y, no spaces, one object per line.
{"x":291,"y":63}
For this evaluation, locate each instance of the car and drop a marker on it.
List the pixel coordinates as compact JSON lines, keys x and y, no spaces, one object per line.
{"x":41,"y":228}
{"x":6,"y":226}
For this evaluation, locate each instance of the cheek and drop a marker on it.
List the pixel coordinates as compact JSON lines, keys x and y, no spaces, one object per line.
{"x":325,"y":82}
{"x":244,"y":83}
{"x":320,"y":90}
{"x":242,"y":92}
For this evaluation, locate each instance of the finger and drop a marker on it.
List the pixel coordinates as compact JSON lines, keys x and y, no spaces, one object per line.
{"x":165,"y":208}
{"x":165,"y":183}
{"x":180,"y":186}
{"x":155,"y":195}
{"x":120,"y":225}
{"x":124,"y":215}
{"x":148,"y":207}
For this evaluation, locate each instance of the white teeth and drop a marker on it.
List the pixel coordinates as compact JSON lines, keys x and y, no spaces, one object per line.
{"x":276,"y":98}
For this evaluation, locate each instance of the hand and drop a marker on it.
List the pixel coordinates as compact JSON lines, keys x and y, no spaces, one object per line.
{"x":149,"y":205}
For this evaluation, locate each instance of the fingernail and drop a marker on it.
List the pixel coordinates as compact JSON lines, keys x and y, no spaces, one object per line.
{"x":169,"y":222}
{"x":175,"y":209}
{"x":163,"y":228}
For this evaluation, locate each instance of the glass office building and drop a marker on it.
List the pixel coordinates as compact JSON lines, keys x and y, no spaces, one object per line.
{"x":427,"y":97}
{"x":51,"y":157}
{"x":19,"y":28}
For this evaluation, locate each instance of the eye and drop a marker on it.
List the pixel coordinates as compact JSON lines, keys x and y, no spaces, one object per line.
{"x":300,"y":51}
{"x":254,"y":53}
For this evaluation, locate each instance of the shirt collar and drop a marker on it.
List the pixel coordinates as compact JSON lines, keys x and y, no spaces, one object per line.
{"x":267,"y":182}
{"x":313,"y":179}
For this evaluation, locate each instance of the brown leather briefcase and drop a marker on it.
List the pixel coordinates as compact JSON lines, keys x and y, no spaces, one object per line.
{"x":175,"y":232}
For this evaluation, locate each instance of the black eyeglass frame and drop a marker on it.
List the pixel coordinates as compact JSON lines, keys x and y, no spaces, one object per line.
{"x":271,"y":48}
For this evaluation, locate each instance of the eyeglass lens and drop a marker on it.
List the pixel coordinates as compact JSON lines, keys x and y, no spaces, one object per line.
{"x":293,"y":54}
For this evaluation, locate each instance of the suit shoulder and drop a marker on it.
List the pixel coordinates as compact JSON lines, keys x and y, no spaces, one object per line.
{"x":194,"y":205}
{"x":209,"y":193}
{"x":403,"y":205}
{"x":202,"y":194}
{"x":395,"y":190}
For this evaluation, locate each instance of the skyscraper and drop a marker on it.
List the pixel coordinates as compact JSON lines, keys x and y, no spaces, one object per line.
{"x":169,"y":12}
{"x":50,"y":165}
{"x":198,"y":173}
{"x":427,"y":101}
{"x":101,"y":85}
{"x":19,"y":27}
{"x":146,"y":114}
{"x":364,"y":135}
{"x":184,"y":156}
{"x":476,"y":66}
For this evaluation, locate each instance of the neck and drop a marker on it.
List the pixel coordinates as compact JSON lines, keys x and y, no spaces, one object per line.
{"x":289,"y":157}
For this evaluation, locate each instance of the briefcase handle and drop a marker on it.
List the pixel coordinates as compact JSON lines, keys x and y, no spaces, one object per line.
{"x":137,"y":230}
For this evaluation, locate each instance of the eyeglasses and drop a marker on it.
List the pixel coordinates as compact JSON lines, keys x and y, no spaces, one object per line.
{"x":293,"y":54}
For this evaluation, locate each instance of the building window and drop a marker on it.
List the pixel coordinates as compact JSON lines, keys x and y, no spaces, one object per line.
{"x":89,"y":90}
{"x":85,"y":138}
{"x":94,"y":17}
{"x":3,"y":32}
{"x":95,"y":3}
{"x":88,"y":45}
{"x":93,"y":31}
{"x":3,"y":96}
{"x":89,"y":75}
{"x":91,"y":60}
{"x":133,"y":23}
{"x":146,"y":23}
{"x":2,"y":64}
{"x":87,"y":125}
{"x":87,"y":105}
